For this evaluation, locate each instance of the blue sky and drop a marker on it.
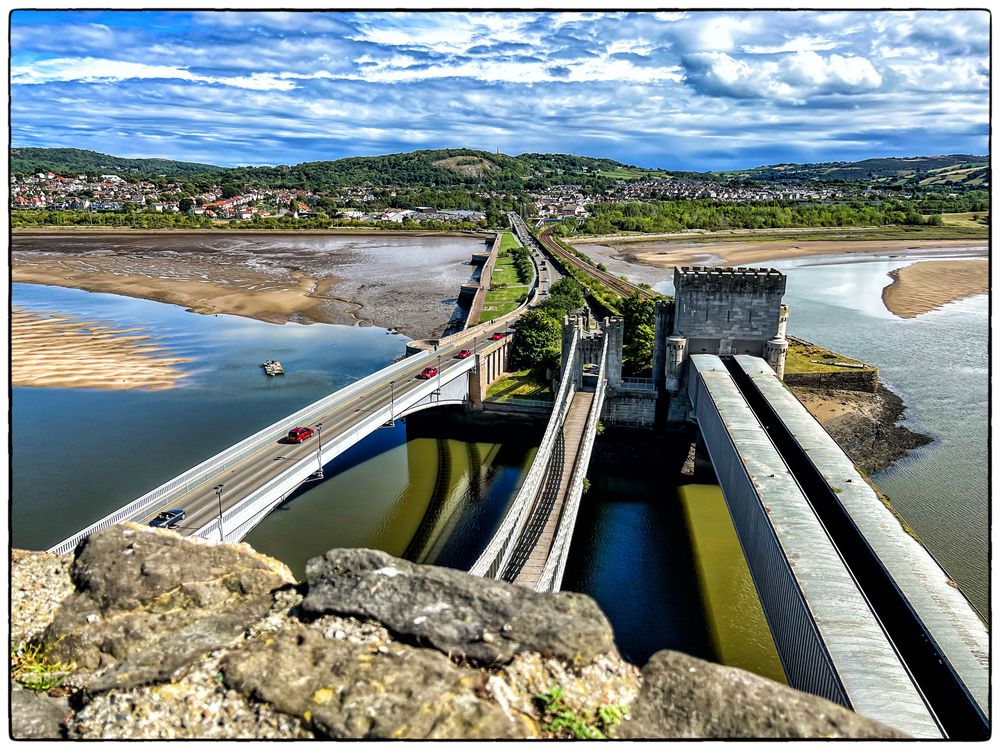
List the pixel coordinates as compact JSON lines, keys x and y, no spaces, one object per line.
{"x":678,"y":90}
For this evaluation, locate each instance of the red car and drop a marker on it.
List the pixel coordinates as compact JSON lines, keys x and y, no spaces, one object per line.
{"x":298,"y":434}
{"x":497,"y":336}
{"x":464,"y":354}
{"x":428,"y":373}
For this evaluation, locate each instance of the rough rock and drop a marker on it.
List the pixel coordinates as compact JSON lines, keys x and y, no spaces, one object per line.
{"x":685,"y":697}
{"x":36,"y":716}
{"x":147,"y":603}
{"x":464,"y":616}
{"x":349,"y":690}
{"x":39,"y":581}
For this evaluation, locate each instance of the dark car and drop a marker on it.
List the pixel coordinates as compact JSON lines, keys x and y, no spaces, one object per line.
{"x":298,"y":434}
{"x":168,"y":518}
{"x":497,"y":336}
{"x":428,"y":373}
{"x":464,"y":354}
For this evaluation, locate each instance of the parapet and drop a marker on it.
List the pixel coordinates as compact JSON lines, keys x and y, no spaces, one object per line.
{"x":739,"y":280}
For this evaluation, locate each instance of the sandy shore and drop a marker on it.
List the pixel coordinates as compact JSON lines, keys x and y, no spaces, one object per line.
{"x":927,"y":285}
{"x":262,"y":299}
{"x":408,"y":283}
{"x":60,"y":351}
{"x":745,"y":253}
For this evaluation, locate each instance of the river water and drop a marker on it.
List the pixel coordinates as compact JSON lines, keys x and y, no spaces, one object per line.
{"x":78,"y":454}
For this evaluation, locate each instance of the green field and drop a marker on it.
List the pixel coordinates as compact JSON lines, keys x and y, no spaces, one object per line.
{"x":505,"y":288}
{"x":978,"y":220}
{"x":800,"y":356}
{"x":519,"y":384}
{"x":624,"y":173}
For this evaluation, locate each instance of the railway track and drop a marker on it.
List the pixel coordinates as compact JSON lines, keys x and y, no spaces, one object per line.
{"x":617,"y":285}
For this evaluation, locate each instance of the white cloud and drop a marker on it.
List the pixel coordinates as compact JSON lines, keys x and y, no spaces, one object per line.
{"x":798,"y":44}
{"x":793,"y":77}
{"x":94,"y":69}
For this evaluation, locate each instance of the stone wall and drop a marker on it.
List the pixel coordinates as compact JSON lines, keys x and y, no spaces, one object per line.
{"x":636,"y":409}
{"x":727,"y":310}
{"x":848,"y":380}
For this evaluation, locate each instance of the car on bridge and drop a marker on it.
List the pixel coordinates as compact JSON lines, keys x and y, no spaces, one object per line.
{"x":298,"y":434}
{"x":464,"y":354}
{"x":427,"y":373}
{"x":497,"y":336}
{"x":168,"y":518}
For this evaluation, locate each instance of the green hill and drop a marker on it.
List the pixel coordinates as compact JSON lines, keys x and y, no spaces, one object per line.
{"x":951,"y":170}
{"x":67,"y":161}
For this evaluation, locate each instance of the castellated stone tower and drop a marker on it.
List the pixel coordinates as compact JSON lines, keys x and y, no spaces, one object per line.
{"x":725,"y":311}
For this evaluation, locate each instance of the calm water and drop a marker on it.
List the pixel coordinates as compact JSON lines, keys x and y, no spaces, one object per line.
{"x":79,"y":454}
{"x":665,"y":564}
{"x":938,"y":363}
{"x":432,"y":500}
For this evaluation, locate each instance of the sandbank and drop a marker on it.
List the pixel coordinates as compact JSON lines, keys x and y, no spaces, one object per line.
{"x":62,"y":351}
{"x":745,"y":253}
{"x":927,"y":285}
{"x":297,"y":297}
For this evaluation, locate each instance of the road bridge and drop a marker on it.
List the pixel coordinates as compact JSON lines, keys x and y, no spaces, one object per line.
{"x":227,"y":495}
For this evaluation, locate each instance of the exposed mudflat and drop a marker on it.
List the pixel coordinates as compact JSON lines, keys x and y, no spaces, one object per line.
{"x":409,"y":283}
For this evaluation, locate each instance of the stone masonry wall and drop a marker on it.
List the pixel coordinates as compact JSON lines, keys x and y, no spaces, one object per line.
{"x":849,"y":380}
{"x":626,"y":408}
{"x":727,"y":303}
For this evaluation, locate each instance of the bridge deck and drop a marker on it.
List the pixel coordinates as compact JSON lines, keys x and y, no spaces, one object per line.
{"x":950,"y":619}
{"x":829,"y":640}
{"x":532,"y":553}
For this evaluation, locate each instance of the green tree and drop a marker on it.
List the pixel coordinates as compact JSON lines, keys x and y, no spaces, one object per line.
{"x":639,"y":315}
{"x":538,"y":340}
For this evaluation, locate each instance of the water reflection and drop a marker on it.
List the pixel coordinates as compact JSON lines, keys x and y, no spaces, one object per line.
{"x":420,"y":490}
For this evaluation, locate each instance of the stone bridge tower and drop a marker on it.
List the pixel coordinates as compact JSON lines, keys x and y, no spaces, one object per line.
{"x":723,"y":311}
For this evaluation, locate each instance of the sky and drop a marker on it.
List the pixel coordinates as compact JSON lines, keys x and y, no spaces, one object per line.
{"x":692,"y":90}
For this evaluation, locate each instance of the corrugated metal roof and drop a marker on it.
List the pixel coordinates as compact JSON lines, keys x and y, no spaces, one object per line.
{"x":953,"y":623}
{"x":877,"y":683}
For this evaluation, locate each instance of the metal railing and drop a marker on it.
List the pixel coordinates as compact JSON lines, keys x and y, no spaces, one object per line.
{"x":638,"y":384}
{"x":236,"y":453}
{"x":552,"y":574}
{"x":531,"y":403}
{"x":497,"y":553}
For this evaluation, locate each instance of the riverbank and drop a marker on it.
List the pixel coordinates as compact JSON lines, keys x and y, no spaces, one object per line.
{"x":865,"y":425}
{"x":669,"y":255}
{"x":221,"y":231}
{"x":61,"y":351}
{"x":408,"y":282}
{"x":928,"y":285}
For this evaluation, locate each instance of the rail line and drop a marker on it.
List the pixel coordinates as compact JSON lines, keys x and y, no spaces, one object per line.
{"x":617,"y":285}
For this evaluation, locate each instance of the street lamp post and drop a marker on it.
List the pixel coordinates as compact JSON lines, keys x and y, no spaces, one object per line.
{"x":218,"y":494}
{"x":392,"y":400}
{"x":319,"y":447}
{"x":439,"y":377}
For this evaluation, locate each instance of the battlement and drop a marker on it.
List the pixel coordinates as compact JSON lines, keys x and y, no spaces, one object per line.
{"x":729,"y":280}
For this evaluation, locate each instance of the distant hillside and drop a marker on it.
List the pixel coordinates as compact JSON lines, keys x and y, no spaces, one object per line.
{"x":66,"y":161}
{"x":952,"y":170}
{"x":441,"y":168}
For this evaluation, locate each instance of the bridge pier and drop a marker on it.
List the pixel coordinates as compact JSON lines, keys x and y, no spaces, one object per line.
{"x":491,"y":363}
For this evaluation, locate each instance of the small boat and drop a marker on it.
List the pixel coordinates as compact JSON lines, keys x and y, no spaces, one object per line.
{"x":273,"y":367}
